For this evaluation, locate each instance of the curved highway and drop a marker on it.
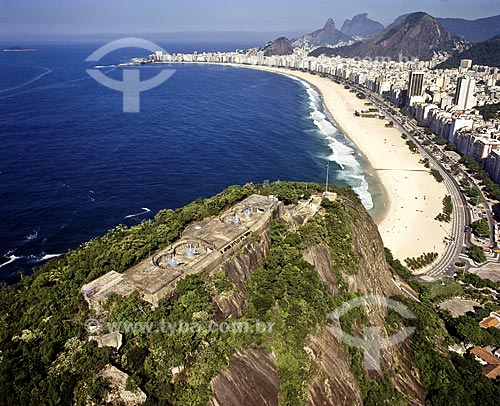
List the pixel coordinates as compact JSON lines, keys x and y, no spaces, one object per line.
{"x":460,"y":215}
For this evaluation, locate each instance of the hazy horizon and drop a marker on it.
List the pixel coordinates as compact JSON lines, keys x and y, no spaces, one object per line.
{"x":27,"y":20}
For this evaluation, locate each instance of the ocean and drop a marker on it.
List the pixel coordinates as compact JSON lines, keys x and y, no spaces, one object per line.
{"x":73,"y":165}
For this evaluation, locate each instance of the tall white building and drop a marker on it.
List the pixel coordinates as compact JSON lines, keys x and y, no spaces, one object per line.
{"x":464,"y":95}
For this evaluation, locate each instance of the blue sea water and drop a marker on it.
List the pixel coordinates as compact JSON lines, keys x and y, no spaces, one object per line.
{"x":73,"y":165}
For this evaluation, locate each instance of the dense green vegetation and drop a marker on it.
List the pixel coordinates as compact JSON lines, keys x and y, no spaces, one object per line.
{"x":476,"y":281}
{"x":396,"y":265}
{"x":422,"y":261}
{"x":450,"y":379}
{"x":438,"y":290}
{"x":447,"y":210}
{"x":490,"y":187}
{"x":477,"y":255}
{"x":484,"y":53}
{"x":277,"y":294}
{"x":440,"y":140}
{"x":437,"y":175}
{"x":43,"y":322}
{"x":474,"y":194}
{"x":46,"y":309}
{"x":489,"y":111}
{"x":46,"y":359}
{"x":481,"y":228}
{"x":412,"y":146}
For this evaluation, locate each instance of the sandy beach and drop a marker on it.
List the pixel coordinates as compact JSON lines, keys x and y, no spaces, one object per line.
{"x":413,"y":197}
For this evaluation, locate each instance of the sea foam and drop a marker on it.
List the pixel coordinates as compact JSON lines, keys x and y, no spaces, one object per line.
{"x":343,"y":154}
{"x":11,"y":259}
{"x":145,"y":210}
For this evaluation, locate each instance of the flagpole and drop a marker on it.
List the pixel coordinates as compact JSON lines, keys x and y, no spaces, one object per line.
{"x":327,"y":169}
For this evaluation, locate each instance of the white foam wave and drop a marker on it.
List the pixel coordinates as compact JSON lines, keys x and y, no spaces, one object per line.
{"x":11,"y":259}
{"x":39,"y":258}
{"x":145,"y":210}
{"x":47,"y":71}
{"x":45,"y":87}
{"x":344,"y":155}
{"x":48,"y":256}
{"x":31,"y":237}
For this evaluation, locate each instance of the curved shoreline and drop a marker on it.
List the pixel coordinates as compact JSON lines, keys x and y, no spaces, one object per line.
{"x":380,"y":212}
{"x":411,"y":197}
{"x":375,"y":184}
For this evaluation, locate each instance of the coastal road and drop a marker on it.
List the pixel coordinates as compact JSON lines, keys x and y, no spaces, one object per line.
{"x":460,"y":214}
{"x":487,"y":208}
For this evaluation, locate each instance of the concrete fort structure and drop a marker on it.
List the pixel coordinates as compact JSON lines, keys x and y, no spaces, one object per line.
{"x":202,"y":247}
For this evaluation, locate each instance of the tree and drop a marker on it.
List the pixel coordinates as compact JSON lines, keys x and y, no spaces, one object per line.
{"x":412,"y":146}
{"x":477,"y":255}
{"x":481,"y":228}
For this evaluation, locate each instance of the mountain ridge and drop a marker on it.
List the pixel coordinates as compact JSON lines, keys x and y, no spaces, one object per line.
{"x":328,"y":35}
{"x":361,"y":26}
{"x":417,"y":35}
{"x":479,"y":30}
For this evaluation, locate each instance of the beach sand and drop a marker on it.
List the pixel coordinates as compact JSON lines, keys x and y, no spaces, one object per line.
{"x":413,"y":198}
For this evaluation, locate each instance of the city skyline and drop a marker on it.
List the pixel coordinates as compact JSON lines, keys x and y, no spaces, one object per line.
{"x":28,"y":20}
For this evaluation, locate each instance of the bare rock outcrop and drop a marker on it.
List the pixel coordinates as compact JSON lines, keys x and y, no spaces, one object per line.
{"x":250,"y":379}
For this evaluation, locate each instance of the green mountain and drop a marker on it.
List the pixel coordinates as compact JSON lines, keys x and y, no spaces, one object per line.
{"x":484,"y":53}
{"x":478,"y":30}
{"x":417,"y":35}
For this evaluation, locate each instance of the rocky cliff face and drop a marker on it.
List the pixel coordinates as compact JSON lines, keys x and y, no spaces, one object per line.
{"x":336,"y":384}
{"x":418,"y":35}
{"x":280,"y":46}
{"x":372,"y":277}
{"x":239,"y":270}
{"x":326,"y":36}
{"x":361,"y":26}
{"x":251,"y":376}
{"x":250,"y":379}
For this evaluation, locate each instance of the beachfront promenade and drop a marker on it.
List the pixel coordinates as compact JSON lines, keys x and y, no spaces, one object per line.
{"x":460,"y":215}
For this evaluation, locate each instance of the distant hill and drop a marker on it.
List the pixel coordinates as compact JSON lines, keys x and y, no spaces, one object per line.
{"x":280,"y":46}
{"x":328,"y":35}
{"x":472,"y":30}
{"x":361,"y":26}
{"x":417,"y":35}
{"x":483,"y":53}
